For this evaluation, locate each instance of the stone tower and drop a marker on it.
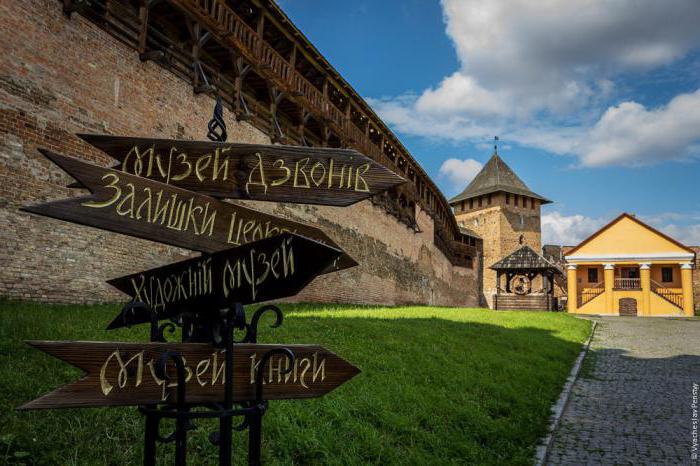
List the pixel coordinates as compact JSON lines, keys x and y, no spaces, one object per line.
{"x":500,"y":208}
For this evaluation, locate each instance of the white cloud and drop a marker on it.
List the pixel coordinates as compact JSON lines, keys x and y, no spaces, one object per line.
{"x":569,"y":230}
{"x":460,"y":172}
{"x":541,"y":73}
{"x":629,"y":134}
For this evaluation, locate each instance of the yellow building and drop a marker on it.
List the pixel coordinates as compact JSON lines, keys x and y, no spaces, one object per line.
{"x":629,"y":268}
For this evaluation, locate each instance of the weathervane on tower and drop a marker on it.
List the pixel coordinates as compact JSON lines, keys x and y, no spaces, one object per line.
{"x":495,"y":145}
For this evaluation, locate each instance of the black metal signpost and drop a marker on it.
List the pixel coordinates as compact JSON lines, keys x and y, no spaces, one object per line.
{"x":248,"y":257}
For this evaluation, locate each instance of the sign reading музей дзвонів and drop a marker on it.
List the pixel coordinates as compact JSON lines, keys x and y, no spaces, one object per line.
{"x":161,"y":190}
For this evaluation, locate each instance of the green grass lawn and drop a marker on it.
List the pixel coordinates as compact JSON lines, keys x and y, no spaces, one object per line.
{"x":438,"y":386}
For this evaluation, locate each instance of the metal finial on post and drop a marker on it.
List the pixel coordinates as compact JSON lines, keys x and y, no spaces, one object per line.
{"x":217,"y":125}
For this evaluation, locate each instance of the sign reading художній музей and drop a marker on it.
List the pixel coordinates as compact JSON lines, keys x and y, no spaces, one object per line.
{"x":305,"y":175}
{"x":270,"y":268}
{"x":127,"y":374}
{"x":148,"y":209}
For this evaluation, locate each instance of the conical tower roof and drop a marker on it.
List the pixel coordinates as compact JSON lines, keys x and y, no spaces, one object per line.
{"x":496,"y":176}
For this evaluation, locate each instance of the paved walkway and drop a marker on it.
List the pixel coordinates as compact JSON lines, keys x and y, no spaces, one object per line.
{"x":632,"y":403}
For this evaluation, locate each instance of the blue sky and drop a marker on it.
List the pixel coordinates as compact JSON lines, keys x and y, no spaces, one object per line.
{"x":596,"y":103}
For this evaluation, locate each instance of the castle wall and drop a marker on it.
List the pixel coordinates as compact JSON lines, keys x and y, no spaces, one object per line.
{"x":67,"y":76}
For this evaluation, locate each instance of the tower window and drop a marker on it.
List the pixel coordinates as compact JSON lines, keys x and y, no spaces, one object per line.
{"x":507,"y":198}
{"x":521,"y":240}
{"x":471,"y":203}
{"x":480,"y":201}
{"x":532,"y":203}
{"x":488,"y":199}
{"x":515,"y":200}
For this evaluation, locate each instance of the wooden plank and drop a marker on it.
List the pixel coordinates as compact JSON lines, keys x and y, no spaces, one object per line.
{"x":304,"y":175}
{"x":270,"y":268}
{"x":147,"y":209}
{"x":120,"y":374}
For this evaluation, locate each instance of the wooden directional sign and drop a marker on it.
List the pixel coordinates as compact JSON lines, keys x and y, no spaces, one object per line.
{"x":270,"y":268}
{"x":306,"y":175}
{"x":155,"y":211}
{"x":126,"y":373}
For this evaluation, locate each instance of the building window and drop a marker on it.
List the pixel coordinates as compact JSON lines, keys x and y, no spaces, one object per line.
{"x":471,"y":203}
{"x":515,"y":200}
{"x":532,"y":203}
{"x":666,"y":274}
{"x":522,"y":220}
{"x":507,"y":198}
{"x":521,"y":240}
{"x":479,"y":201}
{"x":488,"y":199}
{"x":592,"y":275}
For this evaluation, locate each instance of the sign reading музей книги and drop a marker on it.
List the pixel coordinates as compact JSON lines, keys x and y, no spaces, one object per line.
{"x":162,"y":191}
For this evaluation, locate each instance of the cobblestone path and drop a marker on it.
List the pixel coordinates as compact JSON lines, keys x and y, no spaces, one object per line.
{"x":633,"y":401}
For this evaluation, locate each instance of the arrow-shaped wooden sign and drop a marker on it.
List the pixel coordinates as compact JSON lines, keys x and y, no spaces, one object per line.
{"x":119,"y":374}
{"x":306,"y":175}
{"x":270,"y":268}
{"x":159,"y":212}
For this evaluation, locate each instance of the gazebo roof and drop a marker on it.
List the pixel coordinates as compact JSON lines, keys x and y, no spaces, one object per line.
{"x":525,"y":259}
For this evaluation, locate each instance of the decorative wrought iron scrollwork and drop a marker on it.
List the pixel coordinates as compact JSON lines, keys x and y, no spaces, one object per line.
{"x":216,"y":328}
{"x":251,"y":334}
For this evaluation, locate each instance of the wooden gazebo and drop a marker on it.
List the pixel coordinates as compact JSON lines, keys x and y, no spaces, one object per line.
{"x":520,"y":270}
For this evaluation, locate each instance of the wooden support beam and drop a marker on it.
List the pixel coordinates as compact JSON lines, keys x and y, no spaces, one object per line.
{"x":276,"y":97}
{"x":240,"y":69}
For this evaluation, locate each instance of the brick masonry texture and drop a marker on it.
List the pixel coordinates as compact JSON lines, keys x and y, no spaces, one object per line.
{"x":64,"y":76}
{"x":501,"y":226}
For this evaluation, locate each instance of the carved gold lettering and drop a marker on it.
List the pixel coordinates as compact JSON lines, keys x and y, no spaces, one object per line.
{"x":145,"y":203}
{"x":298,"y":170}
{"x":128,"y":198}
{"x":182,"y":157}
{"x":359,"y":178}
{"x":318,"y":180}
{"x":331,"y":175}
{"x":224,"y":165}
{"x":113,"y":199}
{"x":201,"y":369}
{"x":287,"y":173}
{"x":200,"y":165}
{"x":259,"y":167}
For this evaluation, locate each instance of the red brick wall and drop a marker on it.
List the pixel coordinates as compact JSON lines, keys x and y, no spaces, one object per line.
{"x":63,"y":76}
